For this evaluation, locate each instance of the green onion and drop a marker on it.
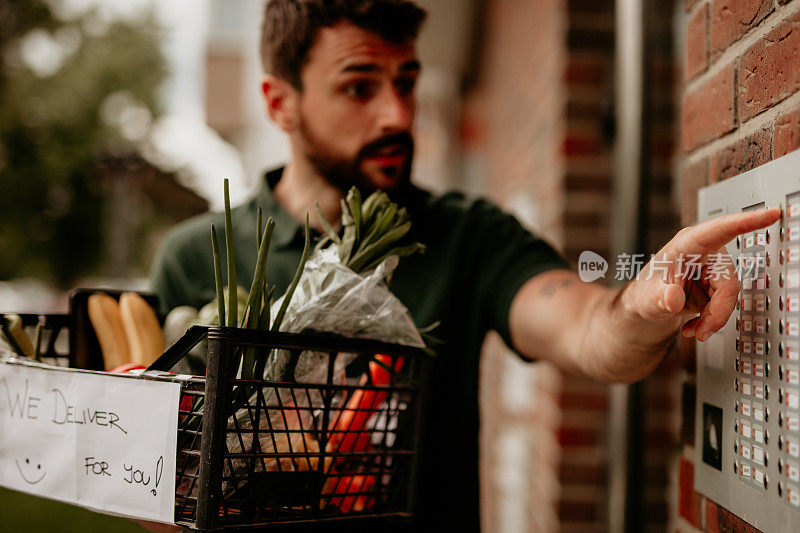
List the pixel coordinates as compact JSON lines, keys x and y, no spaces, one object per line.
{"x":372,"y":230}
{"x":290,"y":291}
{"x":259,"y":216}
{"x":233,"y":295}
{"x":255,"y":299}
{"x":218,"y":276}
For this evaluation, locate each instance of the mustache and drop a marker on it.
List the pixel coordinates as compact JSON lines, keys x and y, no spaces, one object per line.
{"x":401,"y":138}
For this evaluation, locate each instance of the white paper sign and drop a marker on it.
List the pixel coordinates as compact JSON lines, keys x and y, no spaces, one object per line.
{"x":96,"y":440}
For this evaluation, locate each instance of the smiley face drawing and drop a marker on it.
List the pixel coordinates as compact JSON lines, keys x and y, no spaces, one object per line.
{"x":34,"y":473}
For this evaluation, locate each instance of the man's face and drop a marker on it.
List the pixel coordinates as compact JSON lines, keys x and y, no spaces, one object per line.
{"x":357,"y":107}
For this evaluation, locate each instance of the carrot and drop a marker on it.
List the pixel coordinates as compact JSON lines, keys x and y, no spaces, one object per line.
{"x":348,"y":433}
{"x":356,"y":487}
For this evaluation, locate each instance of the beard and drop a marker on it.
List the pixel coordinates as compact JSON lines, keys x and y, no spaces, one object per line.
{"x":343,"y":172}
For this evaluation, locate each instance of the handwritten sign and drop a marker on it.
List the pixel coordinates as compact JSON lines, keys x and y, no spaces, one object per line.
{"x":106,"y":442}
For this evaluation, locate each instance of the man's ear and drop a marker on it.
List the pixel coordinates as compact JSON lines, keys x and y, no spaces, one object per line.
{"x":282,"y":101}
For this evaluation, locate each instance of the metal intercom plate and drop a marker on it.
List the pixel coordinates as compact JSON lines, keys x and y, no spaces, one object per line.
{"x":747,"y":438}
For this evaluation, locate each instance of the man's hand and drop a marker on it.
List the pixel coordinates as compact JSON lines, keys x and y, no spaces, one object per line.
{"x":667,"y":289}
{"x":621,"y":335}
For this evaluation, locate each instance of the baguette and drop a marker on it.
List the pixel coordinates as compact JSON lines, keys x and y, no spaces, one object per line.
{"x":104,"y":314}
{"x":145,"y":340}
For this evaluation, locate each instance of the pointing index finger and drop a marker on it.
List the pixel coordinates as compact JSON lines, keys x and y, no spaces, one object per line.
{"x":716,"y":233}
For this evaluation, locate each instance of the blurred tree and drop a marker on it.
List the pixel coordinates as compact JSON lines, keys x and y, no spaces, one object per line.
{"x":73,"y":90}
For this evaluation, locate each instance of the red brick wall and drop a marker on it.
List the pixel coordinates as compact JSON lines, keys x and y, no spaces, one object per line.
{"x":538,"y":117}
{"x":741,"y":109}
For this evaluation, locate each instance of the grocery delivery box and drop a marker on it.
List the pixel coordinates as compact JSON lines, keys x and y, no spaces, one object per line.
{"x":212,"y":451}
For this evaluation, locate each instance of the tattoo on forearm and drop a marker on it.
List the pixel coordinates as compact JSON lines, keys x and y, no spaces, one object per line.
{"x":551,"y":287}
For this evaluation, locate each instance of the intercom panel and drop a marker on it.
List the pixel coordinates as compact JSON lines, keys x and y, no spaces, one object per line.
{"x":747,"y":449}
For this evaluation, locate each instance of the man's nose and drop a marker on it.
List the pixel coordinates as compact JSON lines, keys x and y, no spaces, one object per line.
{"x":396,"y":111}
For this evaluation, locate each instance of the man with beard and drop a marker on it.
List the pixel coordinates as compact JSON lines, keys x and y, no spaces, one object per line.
{"x":340,"y":82}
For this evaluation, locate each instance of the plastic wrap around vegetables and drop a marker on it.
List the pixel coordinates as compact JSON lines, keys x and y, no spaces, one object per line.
{"x":343,"y":287}
{"x":340,"y":289}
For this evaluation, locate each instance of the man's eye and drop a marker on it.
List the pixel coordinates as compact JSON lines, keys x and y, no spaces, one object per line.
{"x":360,"y":89}
{"x":406,"y":86}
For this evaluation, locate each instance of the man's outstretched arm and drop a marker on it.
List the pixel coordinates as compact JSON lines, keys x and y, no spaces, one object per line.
{"x":620,"y":335}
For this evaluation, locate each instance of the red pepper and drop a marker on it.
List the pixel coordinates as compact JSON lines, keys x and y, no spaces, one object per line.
{"x":348,"y":433}
{"x":358,"y":487}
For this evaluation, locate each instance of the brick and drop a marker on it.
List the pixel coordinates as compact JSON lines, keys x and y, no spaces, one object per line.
{"x":582,"y":143}
{"x":656,"y":514}
{"x":746,"y":154}
{"x":730,"y":19}
{"x":697,"y":43}
{"x":770,"y":69}
{"x":586,"y":400}
{"x":787,"y":134}
{"x":590,"y":39}
{"x":712,"y":525}
{"x":583,"y":219}
{"x":595,"y":182}
{"x":577,"y":437}
{"x":659,"y":439}
{"x":708,"y":111}
{"x":688,"y":405}
{"x":656,"y":475}
{"x":664,"y":77}
{"x":719,"y":520}
{"x":662,"y":112}
{"x":590,"y":7}
{"x":582,"y":474}
{"x":661,"y":184}
{"x":689,"y":501}
{"x":587,"y":72}
{"x":572,"y":511}
{"x":695,"y":177}
{"x":582,"y":109}
{"x":662,"y":146}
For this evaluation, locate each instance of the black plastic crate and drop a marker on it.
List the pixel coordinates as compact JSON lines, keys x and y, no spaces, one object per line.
{"x":259,"y":453}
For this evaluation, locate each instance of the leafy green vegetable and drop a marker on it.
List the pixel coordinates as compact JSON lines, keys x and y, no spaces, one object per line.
{"x":371,"y":231}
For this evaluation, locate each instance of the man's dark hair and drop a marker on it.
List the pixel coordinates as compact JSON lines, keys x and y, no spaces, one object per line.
{"x":291,"y":26}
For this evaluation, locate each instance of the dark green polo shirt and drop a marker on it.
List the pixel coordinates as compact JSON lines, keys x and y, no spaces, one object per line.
{"x":477,"y":259}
